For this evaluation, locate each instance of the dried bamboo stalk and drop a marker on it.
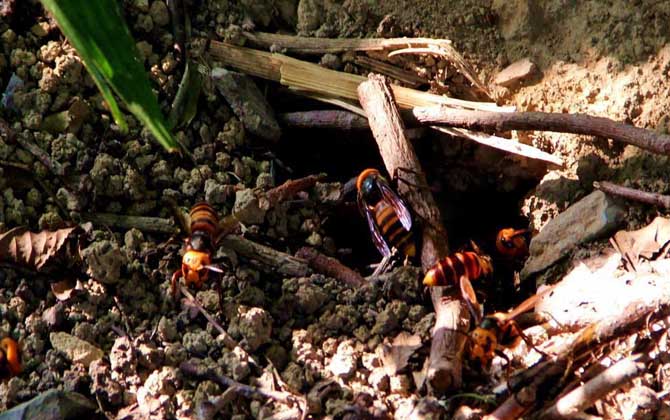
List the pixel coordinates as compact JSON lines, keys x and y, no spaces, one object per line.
{"x":305,"y":76}
{"x":306,"y":45}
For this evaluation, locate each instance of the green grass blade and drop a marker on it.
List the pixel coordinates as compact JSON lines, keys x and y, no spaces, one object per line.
{"x":97,"y":31}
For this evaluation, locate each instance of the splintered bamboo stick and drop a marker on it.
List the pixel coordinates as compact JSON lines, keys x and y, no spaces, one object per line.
{"x":303,"y":45}
{"x":305,"y":76}
{"x":306,"y":45}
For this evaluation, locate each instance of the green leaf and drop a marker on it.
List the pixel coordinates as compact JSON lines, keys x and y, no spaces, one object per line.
{"x":97,"y":31}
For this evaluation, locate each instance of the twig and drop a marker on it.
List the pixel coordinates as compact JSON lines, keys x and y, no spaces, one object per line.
{"x":228,"y":341}
{"x":502,"y":144}
{"x":55,"y":167}
{"x":444,"y":371}
{"x":586,"y":395}
{"x":546,"y":121}
{"x":390,"y":70}
{"x":246,"y":391}
{"x":574,"y":352}
{"x":269,"y":259}
{"x":121,"y":221}
{"x":330,"y":266}
{"x":327,"y":118}
{"x":290,"y":188}
{"x":633,"y":194}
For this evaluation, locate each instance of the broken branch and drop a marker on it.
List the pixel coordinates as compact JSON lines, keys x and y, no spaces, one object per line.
{"x":270,"y":260}
{"x":343,"y":120}
{"x":246,"y":391}
{"x":330,"y":266}
{"x":452,"y":317}
{"x":586,"y":395}
{"x":573,"y":353}
{"x":633,"y":194}
{"x":546,"y":121}
{"x":290,"y":188}
{"x":121,"y":221}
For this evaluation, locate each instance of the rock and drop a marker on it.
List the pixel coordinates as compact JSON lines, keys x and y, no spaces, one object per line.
{"x":591,"y":217}
{"x":260,"y":12}
{"x":167,"y":329}
{"x":149,"y":356}
{"x":248,"y":103}
{"x":640,"y":403}
{"x":159,"y":13}
{"x":329,"y":193}
{"x":76,"y":350}
{"x":122,"y":357}
{"x":53,"y":405}
{"x":310,"y":15}
{"x":104,"y":260}
{"x":153,"y":396}
{"x":54,"y":316}
{"x":515,"y":72}
{"x":255,"y":325}
{"x":400,"y":384}
{"x":379,"y":380}
{"x":518,"y":19}
{"x":247,"y":208}
{"x":310,"y":298}
{"x":343,"y":363}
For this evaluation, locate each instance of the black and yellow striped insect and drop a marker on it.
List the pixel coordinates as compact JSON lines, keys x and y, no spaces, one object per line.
{"x":10,"y":358}
{"x":458,"y":270}
{"x":501,"y":330}
{"x":200,"y":245}
{"x":388,"y":217}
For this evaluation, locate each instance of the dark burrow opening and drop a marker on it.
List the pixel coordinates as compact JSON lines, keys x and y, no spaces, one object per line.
{"x":479,"y":191}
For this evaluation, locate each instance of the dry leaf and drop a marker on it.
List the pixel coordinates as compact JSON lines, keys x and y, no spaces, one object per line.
{"x":34,"y":250}
{"x":395,"y":356}
{"x":650,"y":242}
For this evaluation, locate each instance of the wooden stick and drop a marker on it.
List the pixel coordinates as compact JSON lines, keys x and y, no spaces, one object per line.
{"x":444,"y":370}
{"x":290,"y":188}
{"x":546,"y":121}
{"x":228,"y":341}
{"x":54,"y":166}
{"x":330,"y":266}
{"x":121,"y":221}
{"x":327,"y":118}
{"x":586,"y":395}
{"x":573,"y":353}
{"x":270,"y":260}
{"x":198,"y":372}
{"x":633,"y":194}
